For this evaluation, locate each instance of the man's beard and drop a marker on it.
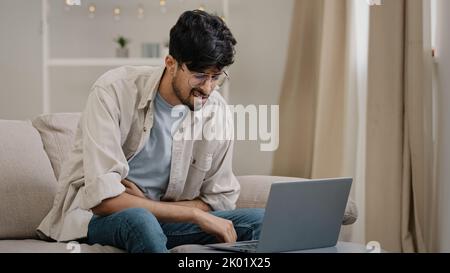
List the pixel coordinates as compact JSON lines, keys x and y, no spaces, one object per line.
{"x":186,"y":100}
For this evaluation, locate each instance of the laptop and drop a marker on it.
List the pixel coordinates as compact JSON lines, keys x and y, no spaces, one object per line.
{"x":299,"y":215}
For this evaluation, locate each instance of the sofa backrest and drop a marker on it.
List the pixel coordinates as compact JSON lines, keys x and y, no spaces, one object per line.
{"x":57,"y":132}
{"x":27,"y":182}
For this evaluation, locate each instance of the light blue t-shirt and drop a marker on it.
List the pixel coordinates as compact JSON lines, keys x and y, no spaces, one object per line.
{"x":150,"y":168}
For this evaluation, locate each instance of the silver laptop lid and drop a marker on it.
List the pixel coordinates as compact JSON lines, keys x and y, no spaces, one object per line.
{"x":304,"y":214}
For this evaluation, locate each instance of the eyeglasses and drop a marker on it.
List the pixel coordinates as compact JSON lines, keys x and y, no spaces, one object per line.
{"x":198,"y":79}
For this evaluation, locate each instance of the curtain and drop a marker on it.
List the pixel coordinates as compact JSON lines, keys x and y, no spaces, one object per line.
{"x":313,"y":74}
{"x":318,"y":133}
{"x":356,"y":101}
{"x":399,"y":181}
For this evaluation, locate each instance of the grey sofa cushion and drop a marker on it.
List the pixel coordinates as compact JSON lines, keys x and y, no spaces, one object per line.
{"x":57,"y":132}
{"x":27,"y":182}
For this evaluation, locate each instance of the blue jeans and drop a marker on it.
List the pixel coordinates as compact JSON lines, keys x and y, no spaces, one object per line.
{"x":137,"y":230}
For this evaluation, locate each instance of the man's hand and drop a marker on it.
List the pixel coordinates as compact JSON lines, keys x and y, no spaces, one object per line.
{"x":185,"y":211}
{"x":132,"y":189}
{"x":223,"y":229}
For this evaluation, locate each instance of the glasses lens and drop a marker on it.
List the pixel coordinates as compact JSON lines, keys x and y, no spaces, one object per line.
{"x":198,"y":80}
{"x":222,"y":79}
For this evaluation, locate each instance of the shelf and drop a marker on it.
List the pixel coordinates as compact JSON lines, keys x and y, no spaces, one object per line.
{"x":105,"y":62}
{"x":56,"y":15}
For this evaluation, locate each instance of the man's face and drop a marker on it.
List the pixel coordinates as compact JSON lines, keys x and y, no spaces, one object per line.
{"x":193,"y":88}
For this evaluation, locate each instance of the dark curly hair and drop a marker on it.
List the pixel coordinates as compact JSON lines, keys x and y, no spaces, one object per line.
{"x":202,"y":41}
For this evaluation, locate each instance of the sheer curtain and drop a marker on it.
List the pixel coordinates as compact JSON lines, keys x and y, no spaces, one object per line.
{"x":356,"y":101}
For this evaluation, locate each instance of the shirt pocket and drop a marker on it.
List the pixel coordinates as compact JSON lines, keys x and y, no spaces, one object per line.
{"x":198,"y":168}
{"x":201,"y":162}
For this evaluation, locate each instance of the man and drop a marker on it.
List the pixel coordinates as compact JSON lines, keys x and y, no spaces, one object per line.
{"x":129,"y":182}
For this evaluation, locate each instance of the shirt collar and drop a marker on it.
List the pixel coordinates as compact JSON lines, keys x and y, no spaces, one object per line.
{"x":151,"y":87}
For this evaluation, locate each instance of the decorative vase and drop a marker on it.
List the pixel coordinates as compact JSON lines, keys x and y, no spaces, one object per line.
{"x":122,"y":52}
{"x":151,"y":50}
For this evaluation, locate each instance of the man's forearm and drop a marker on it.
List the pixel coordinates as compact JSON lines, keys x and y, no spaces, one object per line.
{"x":197,"y":203}
{"x":132,"y":189}
{"x":163,"y":211}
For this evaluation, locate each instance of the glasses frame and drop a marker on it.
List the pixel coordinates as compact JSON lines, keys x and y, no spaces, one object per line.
{"x":223,"y":77}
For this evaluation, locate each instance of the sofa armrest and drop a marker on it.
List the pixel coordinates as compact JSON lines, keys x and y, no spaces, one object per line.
{"x":255,"y":191}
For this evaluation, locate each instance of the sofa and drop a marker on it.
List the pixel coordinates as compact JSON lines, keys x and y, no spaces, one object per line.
{"x":31,"y":155}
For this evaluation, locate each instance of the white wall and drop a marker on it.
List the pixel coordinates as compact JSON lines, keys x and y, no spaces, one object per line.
{"x":20,"y":59}
{"x":74,"y":35}
{"x":262,"y":29}
{"x":442,"y":40}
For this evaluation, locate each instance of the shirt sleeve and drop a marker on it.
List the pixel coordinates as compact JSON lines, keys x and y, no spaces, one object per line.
{"x":220,"y":190}
{"x":104,"y":162}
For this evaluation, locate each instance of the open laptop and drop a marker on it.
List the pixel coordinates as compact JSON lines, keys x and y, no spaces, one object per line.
{"x":299,"y":215}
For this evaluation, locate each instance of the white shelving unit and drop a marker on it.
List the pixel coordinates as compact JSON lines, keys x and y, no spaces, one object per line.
{"x":49,"y":63}
{"x":104,"y":62}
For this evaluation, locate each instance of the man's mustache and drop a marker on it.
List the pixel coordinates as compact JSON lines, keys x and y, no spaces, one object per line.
{"x":199,"y":91}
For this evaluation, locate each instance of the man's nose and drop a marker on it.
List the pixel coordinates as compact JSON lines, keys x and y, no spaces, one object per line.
{"x":207,"y":86}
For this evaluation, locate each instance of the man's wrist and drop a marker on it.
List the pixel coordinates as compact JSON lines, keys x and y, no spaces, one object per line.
{"x":196,"y":215}
{"x":202,"y":205}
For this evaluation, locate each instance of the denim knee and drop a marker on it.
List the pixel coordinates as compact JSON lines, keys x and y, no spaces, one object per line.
{"x":256,"y":217}
{"x":139,"y":216}
{"x":249,"y":221}
{"x":141,"y":231}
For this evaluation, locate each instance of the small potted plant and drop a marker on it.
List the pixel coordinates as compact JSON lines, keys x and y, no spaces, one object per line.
{"x":122,"y":50}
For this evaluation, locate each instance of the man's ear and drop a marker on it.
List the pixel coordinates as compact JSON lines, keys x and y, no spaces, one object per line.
{"x":171,"y":64}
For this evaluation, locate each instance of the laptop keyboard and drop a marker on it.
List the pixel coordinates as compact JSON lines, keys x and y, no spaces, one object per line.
{"x":250,"y":247}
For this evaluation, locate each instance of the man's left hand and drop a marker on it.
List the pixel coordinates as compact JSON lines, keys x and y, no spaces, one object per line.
{"x":132,"y":189}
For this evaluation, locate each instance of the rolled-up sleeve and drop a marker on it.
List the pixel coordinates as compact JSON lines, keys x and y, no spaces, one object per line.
{"x":104,"y":162}
{"x":220,"y":190}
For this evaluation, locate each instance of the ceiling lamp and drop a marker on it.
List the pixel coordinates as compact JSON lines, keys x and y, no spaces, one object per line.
{"x":92,"y":8}
{"x":116,"y":13}
{"x":73,"y":2}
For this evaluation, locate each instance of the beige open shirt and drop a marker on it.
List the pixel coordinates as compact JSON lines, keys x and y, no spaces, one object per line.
{"x":114,"y":127}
